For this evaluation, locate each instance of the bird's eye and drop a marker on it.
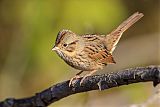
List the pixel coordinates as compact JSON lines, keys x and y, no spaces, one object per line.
{"x":65,"y":45}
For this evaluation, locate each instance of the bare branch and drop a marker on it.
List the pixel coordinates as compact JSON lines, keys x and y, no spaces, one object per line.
{"x":96,"y":82}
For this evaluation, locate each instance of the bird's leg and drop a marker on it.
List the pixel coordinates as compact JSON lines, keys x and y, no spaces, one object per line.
{"x":87,"y":76}
{"x":75,"y":77}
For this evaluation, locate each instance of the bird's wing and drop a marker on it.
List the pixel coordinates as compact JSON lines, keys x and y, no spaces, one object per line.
{"x":103,"y":57}
{"x":96,"y":49}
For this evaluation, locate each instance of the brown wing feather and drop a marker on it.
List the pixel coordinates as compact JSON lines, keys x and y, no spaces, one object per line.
{"x":103,"y":57}
{"x":96,"y":49}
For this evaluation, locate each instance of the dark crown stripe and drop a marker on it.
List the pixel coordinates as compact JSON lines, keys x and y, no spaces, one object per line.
{"x":60,"y":36}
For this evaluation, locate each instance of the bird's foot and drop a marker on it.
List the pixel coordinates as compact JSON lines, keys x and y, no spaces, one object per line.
{"x":87,"y":75}
{"x":82,"y":80}
{"x":72,"y":80}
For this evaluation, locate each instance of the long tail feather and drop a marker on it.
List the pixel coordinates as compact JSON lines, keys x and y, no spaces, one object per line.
{"x":113,"y":38}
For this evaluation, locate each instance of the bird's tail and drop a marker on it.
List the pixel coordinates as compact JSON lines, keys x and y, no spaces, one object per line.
{"x":113,"y":38}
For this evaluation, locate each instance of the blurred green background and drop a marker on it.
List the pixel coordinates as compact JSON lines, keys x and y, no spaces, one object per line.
{"x":28,"y":29}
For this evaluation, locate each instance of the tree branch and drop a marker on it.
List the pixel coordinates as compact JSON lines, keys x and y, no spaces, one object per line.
{"x":96,"y":82}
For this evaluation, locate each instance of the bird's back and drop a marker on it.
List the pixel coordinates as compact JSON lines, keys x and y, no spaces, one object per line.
{"x":96,"y":52}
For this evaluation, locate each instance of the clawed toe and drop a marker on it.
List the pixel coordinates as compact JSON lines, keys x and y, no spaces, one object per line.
{"x":81,"y":82}
{"x":72,"y":79}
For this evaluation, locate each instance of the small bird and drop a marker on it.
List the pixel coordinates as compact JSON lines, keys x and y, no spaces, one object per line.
{"x":90,"y":52}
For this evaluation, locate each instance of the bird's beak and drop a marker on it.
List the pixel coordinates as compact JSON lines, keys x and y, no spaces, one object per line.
{"x":55,"y":48}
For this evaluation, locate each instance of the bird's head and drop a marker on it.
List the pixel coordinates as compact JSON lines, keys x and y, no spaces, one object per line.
{"x":66,"y":42}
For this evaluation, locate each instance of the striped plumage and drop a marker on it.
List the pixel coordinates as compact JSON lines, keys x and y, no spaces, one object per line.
{"x":90,"y":52}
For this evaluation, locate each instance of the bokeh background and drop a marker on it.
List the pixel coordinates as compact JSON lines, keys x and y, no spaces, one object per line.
{"x":28,"y":29}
